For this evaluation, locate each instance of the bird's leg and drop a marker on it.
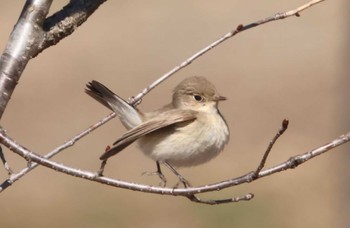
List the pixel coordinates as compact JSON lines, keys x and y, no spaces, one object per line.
{"x":103,"y":163}
{"x":159,"y":174}
{"x":102,"y":168}
{"x":185,"y":182}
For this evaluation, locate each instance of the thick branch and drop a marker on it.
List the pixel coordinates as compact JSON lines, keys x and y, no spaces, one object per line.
{"x":64,"y":22}
{"x":21,"y":47}
{"x":32,"y":34}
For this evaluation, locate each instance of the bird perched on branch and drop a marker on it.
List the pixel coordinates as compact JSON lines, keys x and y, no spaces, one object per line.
{"x":187,"y":132}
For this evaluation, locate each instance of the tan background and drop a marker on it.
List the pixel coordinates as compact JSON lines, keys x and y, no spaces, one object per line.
{"x":295,"y":68}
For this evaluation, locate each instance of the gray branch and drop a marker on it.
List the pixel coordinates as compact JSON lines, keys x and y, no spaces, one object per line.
{"x":33,"y":33}
{"x":189,"y":192}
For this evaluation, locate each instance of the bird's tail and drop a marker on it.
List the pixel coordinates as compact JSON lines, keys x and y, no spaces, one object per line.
{"x":129,"y":116}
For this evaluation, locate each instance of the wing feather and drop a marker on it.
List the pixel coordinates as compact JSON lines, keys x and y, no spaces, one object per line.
{"x":165,"y":119}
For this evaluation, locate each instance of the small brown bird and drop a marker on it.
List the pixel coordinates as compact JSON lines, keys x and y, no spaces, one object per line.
{"x":189,"y":131}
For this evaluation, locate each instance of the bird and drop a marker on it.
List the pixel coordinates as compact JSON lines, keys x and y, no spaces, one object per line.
{"x":188,"y":131}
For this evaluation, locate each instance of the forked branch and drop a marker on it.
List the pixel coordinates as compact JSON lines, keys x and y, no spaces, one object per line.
{"x":186,"y":192}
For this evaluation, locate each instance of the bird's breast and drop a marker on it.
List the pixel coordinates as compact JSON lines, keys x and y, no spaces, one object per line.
{"x":188,"y":144}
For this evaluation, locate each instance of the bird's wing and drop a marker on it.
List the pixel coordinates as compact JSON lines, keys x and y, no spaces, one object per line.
{"x":158,"y":122}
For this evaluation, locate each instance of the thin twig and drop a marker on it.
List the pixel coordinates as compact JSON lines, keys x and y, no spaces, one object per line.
{"x":196,"y":199}
{"x":4,"y":162}
{"x":283,"y":128}
{"x":227,"y":36}
{"x":16,"y":176}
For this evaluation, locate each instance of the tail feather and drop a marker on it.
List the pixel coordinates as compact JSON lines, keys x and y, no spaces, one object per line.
{"x":128,"y":115}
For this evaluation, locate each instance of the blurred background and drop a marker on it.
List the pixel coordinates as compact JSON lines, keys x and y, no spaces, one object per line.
{"x":296,"y":69}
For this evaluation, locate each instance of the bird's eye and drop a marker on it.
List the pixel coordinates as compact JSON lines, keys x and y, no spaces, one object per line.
{"x":198,"y":97}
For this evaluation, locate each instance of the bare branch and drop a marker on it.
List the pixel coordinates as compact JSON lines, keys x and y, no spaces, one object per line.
{"x":239,"y":29}
{"x":52,"y":27}
{"x":66,"y":21}
{"x":295,"y":161}
{"x":186,"y":192}
{"x":14,"y":177}
{"x":196,"y":199}
{"x":283,"y":128}
{"x":32,"y":34}
{"x":19,"y":49}
{"x":4,"y":162}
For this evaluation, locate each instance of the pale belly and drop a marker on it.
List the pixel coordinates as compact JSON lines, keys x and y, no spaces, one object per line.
{"x":188,"y":145}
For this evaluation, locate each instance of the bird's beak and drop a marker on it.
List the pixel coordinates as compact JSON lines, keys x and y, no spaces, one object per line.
{"x":219,"y":98}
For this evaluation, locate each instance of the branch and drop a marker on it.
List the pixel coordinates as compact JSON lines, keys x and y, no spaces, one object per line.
{"x":240,"y":28}
{"x":64,"y":22}
{"x":58,"y":20}
{"x":4,"y":162}
{"x":33,"y":33}
{"x":186,"y":192}
{"x":284,"y":127}
{"x":19,"y":49}
{"x":14,"y":177}
{"x":196,"y":199}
